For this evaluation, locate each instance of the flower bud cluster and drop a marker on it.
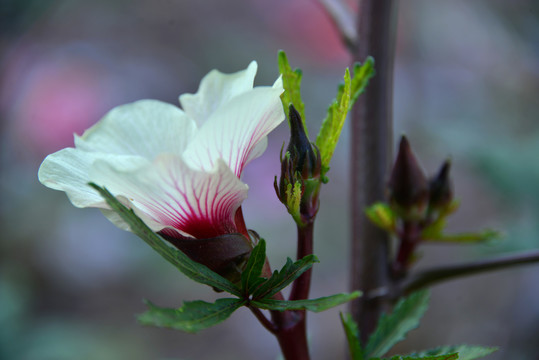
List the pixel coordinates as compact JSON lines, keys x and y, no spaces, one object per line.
{"x":412,"y":196}
{"x":417,"y":202}
{"x":299,"y":185}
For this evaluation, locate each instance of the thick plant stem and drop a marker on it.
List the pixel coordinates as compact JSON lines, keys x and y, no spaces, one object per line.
{"x":302,"y":285}
{"x":292,"y":334}
{"x":371,"y":157}
{"x":292,"y":325}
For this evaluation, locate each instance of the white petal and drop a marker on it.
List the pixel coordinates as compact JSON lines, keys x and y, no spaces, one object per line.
{"x":216,"y":89}
{"x":236,"y":131}
{"x":145,"y":128}
{"x":68,"y":170}
{"x":170,"y":194}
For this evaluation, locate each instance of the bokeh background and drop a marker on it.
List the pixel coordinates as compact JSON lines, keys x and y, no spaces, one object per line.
{"x":466,"y":86}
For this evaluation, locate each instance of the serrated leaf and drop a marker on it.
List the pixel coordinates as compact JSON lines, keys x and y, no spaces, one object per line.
{"x":393,"y":328}
{"x":315,"y":305}
{"x":192,"y":317}
{"x":250,"y":277}
{"x":182,"y":262}
{"x":362,"y":74}
{"x":336,"y":115}
{"x":352,"y":336}
{"x":281,"y":279}
{"x":292,"y":87}
{"x":381,"y":215}
{"x":466,"y":352}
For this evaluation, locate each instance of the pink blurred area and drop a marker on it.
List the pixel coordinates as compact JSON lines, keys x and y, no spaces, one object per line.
{"x":50,"y":99}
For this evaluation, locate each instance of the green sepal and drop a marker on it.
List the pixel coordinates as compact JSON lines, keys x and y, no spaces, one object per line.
{"x":347,"y":95}
{"x":466,"y":352}
{"x":314,"y":305}
{"x":281,"y":279}
{"x":182,"y":262}
{"x":352,"y":336}
{"x":393,"y":328}
{"x":381,"y":215}
{"x":292,"y":87}
{"x":192,"y":317}
{"x":250,"y":277}
{"x":293,"y":200}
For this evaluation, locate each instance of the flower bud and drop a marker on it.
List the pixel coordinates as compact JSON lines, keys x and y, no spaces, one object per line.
{"x":441,"y":189}
{"x":224,"y":254}
{"x":299,"y":184}
{"x":408,"y":187}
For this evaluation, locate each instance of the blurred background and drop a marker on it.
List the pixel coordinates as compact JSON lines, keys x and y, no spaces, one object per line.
{"x":466,"y":87}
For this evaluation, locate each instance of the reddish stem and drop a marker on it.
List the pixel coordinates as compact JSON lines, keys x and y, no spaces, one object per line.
{"x":409,"y":237}
{"x":292,"y":335}
{"x":302,"y":285}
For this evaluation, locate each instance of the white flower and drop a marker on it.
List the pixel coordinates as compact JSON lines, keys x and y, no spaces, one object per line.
{"x":179,"y":170}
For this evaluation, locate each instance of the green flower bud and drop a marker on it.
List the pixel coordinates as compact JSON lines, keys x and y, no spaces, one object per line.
{"x":299,"y":184}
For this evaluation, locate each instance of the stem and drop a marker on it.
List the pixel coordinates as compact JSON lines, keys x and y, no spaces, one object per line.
{"x":292,"y":335}
{"x":409,"y":237}
{"x":371,"y":157}
{"x":302,"y":285}
{"x":263,"y":319}
{"x":292,"y":325}
{"x":437,"y":275}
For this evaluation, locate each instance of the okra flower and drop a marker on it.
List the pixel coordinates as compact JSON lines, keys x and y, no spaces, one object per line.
{"x":179,"y":170}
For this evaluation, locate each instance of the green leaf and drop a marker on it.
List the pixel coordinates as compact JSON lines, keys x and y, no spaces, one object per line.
{"x":315,"y":305}
{"x":291,"y":85}
{"x":182,"y":262}
{"x":336,"y":115}
{"x":250,"y":277}
{"x":393,"y":328}
{"x":281,"y":279}
{"x":483,"y":236}
{"x":352,"y":335}
{"x":381,"y":215}
{"x":453,"y":356}
{"x":466,"y":352}
{"x":362,"y":75}
{"x":192,"y":317}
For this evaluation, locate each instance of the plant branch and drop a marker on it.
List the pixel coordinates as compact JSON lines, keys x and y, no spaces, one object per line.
{"x":434,"y":276}
{"x":343,"y":19}
{"x":371,"y":158}
{"x":263,"y":319}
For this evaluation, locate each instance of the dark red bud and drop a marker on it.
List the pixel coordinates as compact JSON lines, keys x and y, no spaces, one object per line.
{"x":441,"y":188}
{"x":408,"y":186}
{"x":225,"y":254}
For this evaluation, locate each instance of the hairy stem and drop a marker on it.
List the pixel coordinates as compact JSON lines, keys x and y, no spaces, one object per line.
{"x":371,"y":157}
